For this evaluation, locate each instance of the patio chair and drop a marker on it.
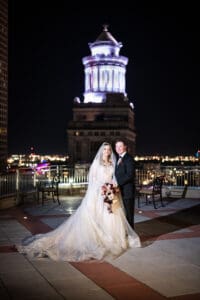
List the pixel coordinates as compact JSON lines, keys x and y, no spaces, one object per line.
{"x":48,"y":188}
{"x":151,"y":192}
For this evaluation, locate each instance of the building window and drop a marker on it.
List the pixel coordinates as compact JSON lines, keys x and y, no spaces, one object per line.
{"x":78,"y":148}
{"x":81,"y":117}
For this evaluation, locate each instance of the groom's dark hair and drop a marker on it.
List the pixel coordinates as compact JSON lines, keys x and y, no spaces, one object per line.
{"x":121,"y":141}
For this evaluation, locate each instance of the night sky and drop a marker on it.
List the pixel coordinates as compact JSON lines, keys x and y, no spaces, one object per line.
{"x":47,"y":42}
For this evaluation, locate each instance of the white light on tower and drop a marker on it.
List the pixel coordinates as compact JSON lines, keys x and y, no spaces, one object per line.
{"x":105,"y":69}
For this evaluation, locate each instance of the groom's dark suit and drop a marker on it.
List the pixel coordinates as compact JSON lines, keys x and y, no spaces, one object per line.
{"x":125,"y":175}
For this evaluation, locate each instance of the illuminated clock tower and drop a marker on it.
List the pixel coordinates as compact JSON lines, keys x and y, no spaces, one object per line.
{"x":105,"y":113}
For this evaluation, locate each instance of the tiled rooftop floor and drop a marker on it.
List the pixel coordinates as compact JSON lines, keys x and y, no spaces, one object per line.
{"x":166,"y":267}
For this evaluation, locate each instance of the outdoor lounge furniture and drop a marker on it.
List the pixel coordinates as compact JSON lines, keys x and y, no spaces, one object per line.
{"x":152,"y":192}
{"x":48,"y":188}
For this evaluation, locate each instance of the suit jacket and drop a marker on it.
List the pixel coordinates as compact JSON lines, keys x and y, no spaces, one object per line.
{"x":125,"y":175}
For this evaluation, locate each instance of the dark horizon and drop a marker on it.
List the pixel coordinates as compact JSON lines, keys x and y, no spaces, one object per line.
{"x":46,"y":47}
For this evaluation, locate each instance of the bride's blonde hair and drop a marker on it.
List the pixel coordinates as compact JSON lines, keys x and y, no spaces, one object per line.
{"x":98,"y":160}
{"x":102,"y":162}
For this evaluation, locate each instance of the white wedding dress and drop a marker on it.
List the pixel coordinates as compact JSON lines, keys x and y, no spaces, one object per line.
{"x":91,"y":232}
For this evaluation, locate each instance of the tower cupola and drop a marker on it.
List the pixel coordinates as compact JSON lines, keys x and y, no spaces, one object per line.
{"x":104,"y":69}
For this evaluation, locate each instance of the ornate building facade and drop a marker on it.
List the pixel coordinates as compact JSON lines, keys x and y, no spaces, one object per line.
{"x":3,"y":82}
{"x":105,"y":114}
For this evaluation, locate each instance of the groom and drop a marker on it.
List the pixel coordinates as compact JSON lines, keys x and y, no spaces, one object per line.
{"x":124,"y":173}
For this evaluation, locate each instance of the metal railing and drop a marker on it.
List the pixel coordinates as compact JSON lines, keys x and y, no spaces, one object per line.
{"x":13,"y":183}
{"x":173,"y":176}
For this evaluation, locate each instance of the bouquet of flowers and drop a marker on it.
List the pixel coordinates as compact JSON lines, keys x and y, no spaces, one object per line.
{"x":109,"y":193}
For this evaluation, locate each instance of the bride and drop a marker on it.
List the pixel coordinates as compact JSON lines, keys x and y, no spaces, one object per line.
{"x":96,"y":230}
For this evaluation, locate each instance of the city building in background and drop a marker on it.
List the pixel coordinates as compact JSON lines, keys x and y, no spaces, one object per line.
{"x":176,"y":170}
{"x":32,"y":159}
{"x":3,"y":82}
{"x":105,"y":113}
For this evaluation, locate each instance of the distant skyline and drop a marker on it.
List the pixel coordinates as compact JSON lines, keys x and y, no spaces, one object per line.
{"x":46,"y":47}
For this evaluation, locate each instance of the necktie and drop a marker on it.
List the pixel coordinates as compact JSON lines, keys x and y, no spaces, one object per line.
{"x":119,"y":160}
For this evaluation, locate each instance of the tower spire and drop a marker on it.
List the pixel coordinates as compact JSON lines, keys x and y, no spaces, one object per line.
{"x":105,"y":27}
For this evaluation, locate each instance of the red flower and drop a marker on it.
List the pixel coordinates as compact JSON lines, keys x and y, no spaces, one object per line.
{"x":109,"y":192}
